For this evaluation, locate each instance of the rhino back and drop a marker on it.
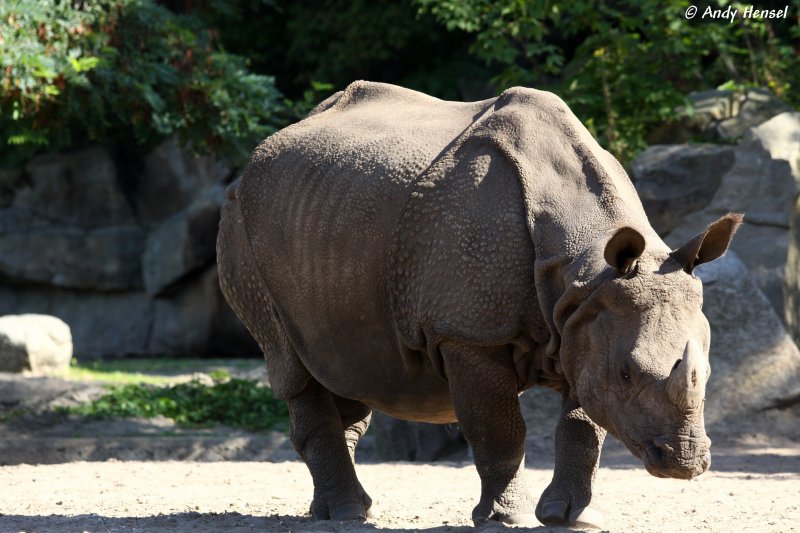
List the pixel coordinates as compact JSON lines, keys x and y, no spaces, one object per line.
{"x":320,"y":201}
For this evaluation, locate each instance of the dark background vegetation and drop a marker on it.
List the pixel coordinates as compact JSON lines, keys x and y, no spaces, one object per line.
{"x":224,"y":74}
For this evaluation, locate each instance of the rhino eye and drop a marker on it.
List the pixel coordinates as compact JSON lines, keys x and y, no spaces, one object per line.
{"x":625,"y":376}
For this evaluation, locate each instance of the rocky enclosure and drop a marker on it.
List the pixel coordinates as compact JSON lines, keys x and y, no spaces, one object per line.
{"x":121,"y":248}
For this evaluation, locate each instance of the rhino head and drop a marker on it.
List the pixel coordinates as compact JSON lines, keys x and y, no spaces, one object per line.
{"x":637,"y":346}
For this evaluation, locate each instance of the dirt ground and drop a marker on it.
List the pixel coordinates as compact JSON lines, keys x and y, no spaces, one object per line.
{"x":759,"y":495}
{"x":227,"y":480}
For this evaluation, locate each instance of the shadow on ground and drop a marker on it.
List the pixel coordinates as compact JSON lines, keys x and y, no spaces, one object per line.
{"x":202,"y":522}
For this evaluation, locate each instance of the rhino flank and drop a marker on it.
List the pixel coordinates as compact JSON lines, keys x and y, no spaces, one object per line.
{"x":433,"y":259}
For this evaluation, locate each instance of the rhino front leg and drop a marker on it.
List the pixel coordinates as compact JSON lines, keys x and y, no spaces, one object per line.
{"x":578,"y":443}
{"x":483,"y":383}
{"x":324,"y":436}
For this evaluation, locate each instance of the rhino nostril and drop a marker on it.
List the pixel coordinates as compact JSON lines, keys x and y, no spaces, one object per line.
{"x":663,"y":446}
{"x":660,"y":452}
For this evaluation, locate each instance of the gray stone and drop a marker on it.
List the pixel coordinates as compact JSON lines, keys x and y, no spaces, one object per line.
{"x":761,"y":184}
{"x":194,"y":318}
{"x":763,"y":249}
{"x":401,"y":440}
{"x":715,"y":104}
{"x":780,"y":136}
{"x":754,"y":362}
{"x":110,"y":324}
{"x":758,"y":107}
{"x":105,"y":258}
{"x":674,"y":180}
{"x":183,"y":243}
{"x":761,"y":187}
{"x":38,"y":343}
{"x":170,"y":180}
{"x":78,"y":188}
{"x":10,"y":180}
{"x":719,"y":115}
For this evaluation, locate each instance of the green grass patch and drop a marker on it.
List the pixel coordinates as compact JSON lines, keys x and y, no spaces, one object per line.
{"x":152,"y":371}
{"x":233,"y":402}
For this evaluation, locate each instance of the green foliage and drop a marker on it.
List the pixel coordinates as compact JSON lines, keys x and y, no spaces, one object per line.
{"x":339,"y":41}
{"x":125,"y":70}
{"x":233,"y":402}
{"x":624,"y":67}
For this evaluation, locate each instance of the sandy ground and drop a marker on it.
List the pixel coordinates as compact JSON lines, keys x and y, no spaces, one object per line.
{"x":758,"y":491}
{"x":220,"y":479}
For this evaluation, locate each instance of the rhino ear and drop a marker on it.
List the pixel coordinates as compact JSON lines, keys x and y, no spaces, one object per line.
{"x":708,"y":245}
{"x":623,"y":249}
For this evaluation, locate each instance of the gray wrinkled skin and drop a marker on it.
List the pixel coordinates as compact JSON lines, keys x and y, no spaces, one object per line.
{"x":433,"y":259}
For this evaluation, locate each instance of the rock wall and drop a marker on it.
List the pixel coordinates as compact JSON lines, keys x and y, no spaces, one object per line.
{"x":122,"y":249}
{"x":750,"y":295}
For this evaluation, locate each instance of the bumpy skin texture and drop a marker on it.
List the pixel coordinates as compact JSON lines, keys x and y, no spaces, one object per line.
{"x":433,"y":259}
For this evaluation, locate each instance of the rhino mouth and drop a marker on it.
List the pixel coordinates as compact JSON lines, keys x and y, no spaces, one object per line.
{"x":685,"y":460}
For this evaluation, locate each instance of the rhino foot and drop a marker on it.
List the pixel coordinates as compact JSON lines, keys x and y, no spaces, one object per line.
{"x":345,"y":511}
{"x":558,"y":513}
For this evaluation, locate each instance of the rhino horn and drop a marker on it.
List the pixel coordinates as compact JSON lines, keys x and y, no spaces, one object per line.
{"x":686,"y":385}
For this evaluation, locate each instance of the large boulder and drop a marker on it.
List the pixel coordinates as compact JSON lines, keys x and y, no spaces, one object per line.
{"x":35,"y":251}
{"x":171,"y":179}
{"x":194,"y":318}
{"x":102,"y":324}
{"x":763,"y":185}
{"x":37,"y":343}
{"x":183,"y":243}
{"x":719,"y":115}
{"x":754,"y":362}
{"x":65,"y":221}
{"x":759,"y":106}
{"x":674,"y":180}
{"x":77,"y":189}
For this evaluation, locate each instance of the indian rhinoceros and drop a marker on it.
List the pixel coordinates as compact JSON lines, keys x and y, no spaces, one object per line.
{"x":434,"y":259}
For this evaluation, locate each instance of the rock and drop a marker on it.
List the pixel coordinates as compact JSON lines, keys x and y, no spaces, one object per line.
{"x":763,"y":187}
{"x":103,"y":324}
{"x":66,"y":222}
{"x":183,"y":243}
{"x":191,"y":319}
{"x":170,"y":180}
{"x":39,"y":343}
{"x":757,"y":185}
{"x":106,"y":258}
{"x":754,"y":362}
{"x":401,"y":440}
{"x":719,"y":115}
{"x":758,"y":107}
{"x":194,"y":318}
{"x":77,"y":189}
{"x":9,"y":181}
{"x":674,"y":180}
{"x":780,"y":136}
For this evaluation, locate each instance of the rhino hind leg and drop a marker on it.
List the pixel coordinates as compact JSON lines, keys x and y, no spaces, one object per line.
{"x":483,"y":385}
{"x":566,"y":501}
{"x":325,"y":430}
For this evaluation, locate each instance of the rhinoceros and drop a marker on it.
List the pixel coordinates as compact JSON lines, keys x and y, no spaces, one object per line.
{"x":434,"y":259}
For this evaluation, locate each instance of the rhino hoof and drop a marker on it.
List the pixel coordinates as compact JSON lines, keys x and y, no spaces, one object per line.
{"x":586,"y":517}
{"x":349,"y":511}
{"x":553,"y":512}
